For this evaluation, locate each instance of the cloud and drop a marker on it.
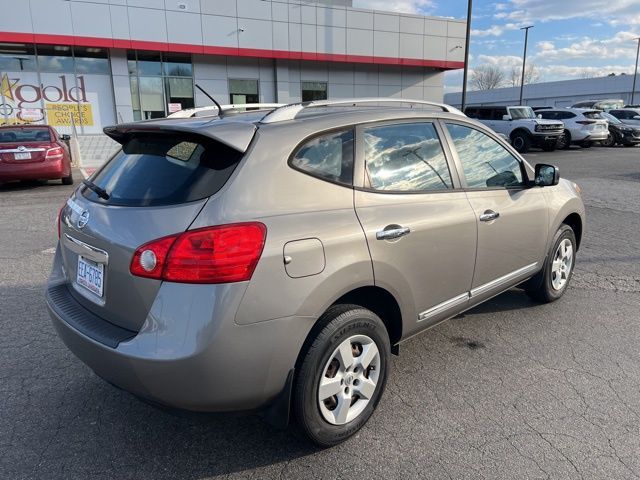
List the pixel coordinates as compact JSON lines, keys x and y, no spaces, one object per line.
{"x":618,"y":12}
{"x":404,"y":6}
{"x":620,"y":46}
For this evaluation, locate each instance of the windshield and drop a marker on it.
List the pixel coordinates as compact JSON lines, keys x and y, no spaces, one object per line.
{"x":610,"y":117}
{"x":24,"y":135}
{"x":518,"y":113}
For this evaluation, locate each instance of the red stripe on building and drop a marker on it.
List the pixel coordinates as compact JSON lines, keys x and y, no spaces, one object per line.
{"x":97,"y":42}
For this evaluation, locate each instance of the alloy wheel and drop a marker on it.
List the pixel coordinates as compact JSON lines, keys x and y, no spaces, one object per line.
{"x":349,"y":380}
{"x":562,"y":264}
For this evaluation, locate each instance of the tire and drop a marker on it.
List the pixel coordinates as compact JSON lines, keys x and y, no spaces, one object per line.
{"x":325,"y":421}
{"x":68,"y":180}
{"x":610,"y":141}
{"x":586,"y":144}
{"x":521,"y":142}
{"x":564,"y":142}
{"x":551,"y":282}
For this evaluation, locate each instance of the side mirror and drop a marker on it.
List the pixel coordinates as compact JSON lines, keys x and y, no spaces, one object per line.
{"x":506,"y":117}
{"x":65,"y":137}
{"x":546,"y":175}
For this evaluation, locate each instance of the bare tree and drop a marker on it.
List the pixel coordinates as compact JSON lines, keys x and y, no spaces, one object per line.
{"x":531,"y":75}
{"x":486,"y":77}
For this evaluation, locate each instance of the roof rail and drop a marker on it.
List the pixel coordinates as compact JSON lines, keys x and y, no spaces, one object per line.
{"x":289,"y":112}
{"x":213,"y":109}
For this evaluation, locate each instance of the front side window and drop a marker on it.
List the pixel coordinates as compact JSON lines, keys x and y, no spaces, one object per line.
{"x":406,"y":157}
{"x":329,"y":157}
{"x":484,"y":161}
{"x":518,"y":113}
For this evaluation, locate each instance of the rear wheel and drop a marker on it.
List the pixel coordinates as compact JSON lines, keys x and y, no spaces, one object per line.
{"x":521,"y":142}
{"x":551,"y":283}
{"x":564,"y":142}
{"x":68,"y":180}
{"x":610,"y":141}
{"x":342,"y":375}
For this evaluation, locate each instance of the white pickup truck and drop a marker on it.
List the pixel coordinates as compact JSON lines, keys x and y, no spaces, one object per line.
{"x":521,"y":125}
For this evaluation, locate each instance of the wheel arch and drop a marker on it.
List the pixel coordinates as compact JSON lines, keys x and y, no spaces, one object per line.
{"x":520,"y":130}
{"x":575,"y":222}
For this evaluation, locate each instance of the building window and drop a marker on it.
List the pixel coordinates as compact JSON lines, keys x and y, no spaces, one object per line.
{"x":160,"y":83}
{"x":16,"y":57}
{"x":56,"y":58}
{"x":314,"y":91}
{"x":243,"y":91}
{"x":92,"y":61}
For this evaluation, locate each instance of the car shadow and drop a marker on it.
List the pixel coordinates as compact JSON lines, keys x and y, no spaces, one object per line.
{"x":77,"y":422}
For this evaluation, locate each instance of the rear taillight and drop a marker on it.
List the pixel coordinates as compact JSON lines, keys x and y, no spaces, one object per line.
{"x":223,"y":254}
{"x":55,"y":153}
{"x":586,"y":122}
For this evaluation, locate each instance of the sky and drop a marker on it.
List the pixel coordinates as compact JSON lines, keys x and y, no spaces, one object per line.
{"x":570,"y":38}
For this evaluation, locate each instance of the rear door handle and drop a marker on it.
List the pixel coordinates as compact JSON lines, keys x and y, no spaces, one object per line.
{"x":391,"y":233}
{"x":489,"y":215}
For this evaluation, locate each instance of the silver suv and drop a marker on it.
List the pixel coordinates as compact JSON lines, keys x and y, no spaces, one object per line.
{"x":274,"y":259}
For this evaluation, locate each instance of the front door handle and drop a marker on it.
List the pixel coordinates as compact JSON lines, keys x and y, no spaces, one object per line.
{"x":392,"y":231}
{"x":489,"y":215}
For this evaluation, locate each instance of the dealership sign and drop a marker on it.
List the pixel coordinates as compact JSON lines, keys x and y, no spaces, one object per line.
{"x":64,"y":102}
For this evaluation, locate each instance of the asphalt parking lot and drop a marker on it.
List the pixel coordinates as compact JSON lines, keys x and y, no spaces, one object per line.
{"x":508,"y":390}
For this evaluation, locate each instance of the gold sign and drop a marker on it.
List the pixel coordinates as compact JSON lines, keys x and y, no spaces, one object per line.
{"x":61,"y":114}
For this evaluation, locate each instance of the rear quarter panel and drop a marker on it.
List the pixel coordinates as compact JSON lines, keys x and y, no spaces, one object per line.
{"x":293,"y":206}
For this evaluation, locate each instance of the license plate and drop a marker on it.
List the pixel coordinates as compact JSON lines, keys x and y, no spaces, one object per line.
{"x":90,"y":275}
{"x":22,"y":156}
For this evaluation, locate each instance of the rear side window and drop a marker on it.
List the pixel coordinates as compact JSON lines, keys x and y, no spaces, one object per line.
{"x":548,"y":115}
{"x":153,"y":170}
{"x":593,"y":115}
{"x":329,"y":157}
{"x":406,"y":157}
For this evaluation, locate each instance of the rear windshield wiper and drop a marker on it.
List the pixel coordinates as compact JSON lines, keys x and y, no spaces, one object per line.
{"x":101,"y":192}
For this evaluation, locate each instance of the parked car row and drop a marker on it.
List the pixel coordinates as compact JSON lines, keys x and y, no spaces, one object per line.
{"x":549,"y":128}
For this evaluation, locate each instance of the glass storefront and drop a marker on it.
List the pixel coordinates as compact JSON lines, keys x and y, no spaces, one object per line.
{"x":66,"y":87}
{"x":160,"y":83}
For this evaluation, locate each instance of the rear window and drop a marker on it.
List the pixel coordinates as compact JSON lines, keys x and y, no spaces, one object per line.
{"x":593,"y":115}
{"x":24,"y":135}
{"x":156,"y":170}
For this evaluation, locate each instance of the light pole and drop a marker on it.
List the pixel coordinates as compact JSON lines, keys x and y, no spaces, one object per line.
{"x":635,"y":74}
{"x":466,"y":57}
{"x":524,"y":58}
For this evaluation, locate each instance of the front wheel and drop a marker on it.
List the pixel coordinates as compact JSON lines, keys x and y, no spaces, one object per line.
{"x":564,"y":142}
{"x":342,"y":374}
{"x":521,"y":142}
{"x":551,"y":283}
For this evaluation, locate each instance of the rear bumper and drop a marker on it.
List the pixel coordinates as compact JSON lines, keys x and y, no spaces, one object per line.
{"x":46,"y":170}
{"x":189,"y":354}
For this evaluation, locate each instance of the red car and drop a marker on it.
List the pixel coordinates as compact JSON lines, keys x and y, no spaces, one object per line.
{"x":34,"y":152}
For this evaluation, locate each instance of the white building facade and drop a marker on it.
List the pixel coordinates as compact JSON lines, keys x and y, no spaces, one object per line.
{"x":86,"y":64}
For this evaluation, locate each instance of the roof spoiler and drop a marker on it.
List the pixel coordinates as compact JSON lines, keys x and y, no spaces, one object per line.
{"x":236,"y":135}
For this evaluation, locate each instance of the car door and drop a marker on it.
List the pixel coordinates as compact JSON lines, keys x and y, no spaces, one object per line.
{"x":420,"y":229}
{"x":511,"y":217}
